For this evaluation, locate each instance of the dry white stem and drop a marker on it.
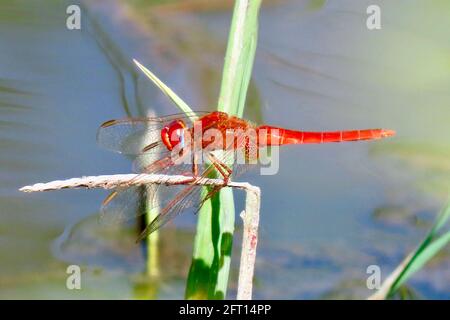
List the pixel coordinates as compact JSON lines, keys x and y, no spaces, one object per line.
{"x":250,"y":216}
{"x":126,"y":180}
{"x":249,"y":242}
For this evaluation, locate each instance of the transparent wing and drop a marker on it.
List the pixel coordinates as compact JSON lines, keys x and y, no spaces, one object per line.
{"x":133,"y":202}
{"x":133,"y":135}
{"x":186,"y":199}
{"x":170,"y":201}
{"x":192,"y":197}
{"x":189,"y":198}
{"x":124,"y":203}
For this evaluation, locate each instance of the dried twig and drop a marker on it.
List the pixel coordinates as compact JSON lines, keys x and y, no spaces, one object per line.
{"x":249,"y":242}
{"x":250,"y":216}
{"x":125,"y":180}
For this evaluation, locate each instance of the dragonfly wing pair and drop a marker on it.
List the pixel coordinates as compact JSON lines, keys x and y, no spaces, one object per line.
{"x":140,"y":138}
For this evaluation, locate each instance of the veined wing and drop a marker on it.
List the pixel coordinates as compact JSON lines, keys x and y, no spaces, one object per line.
{"x":186,"y":198}
{"x":169,"y":201}
{"x":190,"y":197}
{"x":125,"y":203}
{"x":133,"y":135}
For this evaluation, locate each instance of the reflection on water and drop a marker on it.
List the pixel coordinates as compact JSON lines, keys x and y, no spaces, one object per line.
{"x":330,"y":211}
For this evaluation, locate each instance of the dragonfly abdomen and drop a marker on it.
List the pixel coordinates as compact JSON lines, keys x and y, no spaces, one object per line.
{"x":278,"y":136}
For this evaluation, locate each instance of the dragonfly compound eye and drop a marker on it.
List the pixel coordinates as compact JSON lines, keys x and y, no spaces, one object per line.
{"x":173,"y":134}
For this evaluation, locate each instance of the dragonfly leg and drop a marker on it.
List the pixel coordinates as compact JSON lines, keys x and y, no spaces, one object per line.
{"x":211,"y":193}
{"x":194,"y":164}
{"x":224,"y":170}
{"x":194,"y":173}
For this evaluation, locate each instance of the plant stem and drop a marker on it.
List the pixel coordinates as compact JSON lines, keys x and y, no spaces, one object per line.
{"x":209,"y":273}
{"x":239,"y":57}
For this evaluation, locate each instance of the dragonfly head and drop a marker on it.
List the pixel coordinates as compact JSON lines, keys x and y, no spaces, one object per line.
{"x":173,"y":134}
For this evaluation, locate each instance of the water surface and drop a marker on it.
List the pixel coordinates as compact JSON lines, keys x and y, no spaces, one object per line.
{"x":331,"y":210}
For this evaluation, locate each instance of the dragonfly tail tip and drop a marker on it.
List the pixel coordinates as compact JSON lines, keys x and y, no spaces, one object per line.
{"x":387,"y":133}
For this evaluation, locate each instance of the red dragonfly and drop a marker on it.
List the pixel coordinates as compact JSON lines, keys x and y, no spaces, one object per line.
{"x":166,"y":145}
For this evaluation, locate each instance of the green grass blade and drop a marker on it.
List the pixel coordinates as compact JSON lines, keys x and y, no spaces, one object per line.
{"x":183,"y":106}
{"x":152,"y":264}
{"x":429,"y":247}
{"x":442,"y":219}
{"x":239,"y":57}
{"x":209,"y":273}
{"x":422,"y":257}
